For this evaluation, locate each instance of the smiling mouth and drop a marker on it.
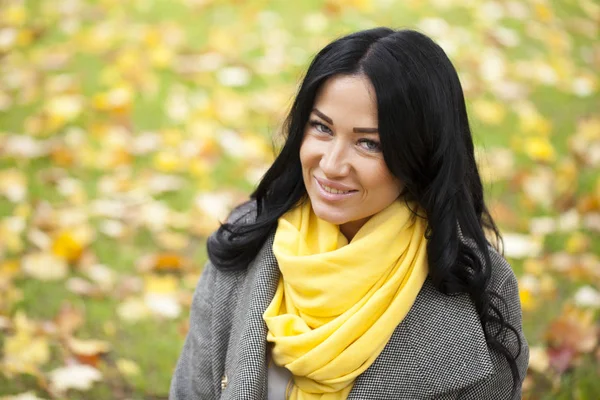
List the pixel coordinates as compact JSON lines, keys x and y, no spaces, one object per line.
{"x":334,"y":191}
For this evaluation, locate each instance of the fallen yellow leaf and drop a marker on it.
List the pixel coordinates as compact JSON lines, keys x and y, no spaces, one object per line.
{"x":118,"y":100}
{"x":13,"y":185}
{"x":24,"y":351}
{"x":67,"y":246}
{"x":44,"y":266}
{"x":128,"y":367}
{"x":161,"y":284}
{"x":489,"y":112}
{"x":577,"y":242}
{"x":539,"y":149}
{"x":14,"y":14}
{"x":528,"y":302}
{"x":132,"y":309}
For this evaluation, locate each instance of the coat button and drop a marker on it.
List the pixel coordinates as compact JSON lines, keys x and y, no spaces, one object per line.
{"x":223,"y":382}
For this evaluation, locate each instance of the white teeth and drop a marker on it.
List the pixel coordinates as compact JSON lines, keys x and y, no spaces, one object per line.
{"x":334,"y":191}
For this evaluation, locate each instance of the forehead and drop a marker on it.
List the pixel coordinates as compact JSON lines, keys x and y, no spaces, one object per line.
{"x":348,"y":96}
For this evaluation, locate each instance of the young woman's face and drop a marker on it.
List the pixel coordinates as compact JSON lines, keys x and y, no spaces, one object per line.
{"x":343,"y":169}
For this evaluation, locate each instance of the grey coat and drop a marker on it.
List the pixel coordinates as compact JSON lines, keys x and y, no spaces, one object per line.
{"x":437,"y":352}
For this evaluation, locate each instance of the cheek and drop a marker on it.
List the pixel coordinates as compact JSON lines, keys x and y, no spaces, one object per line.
{"x":303,"y":156}
{"x":308,"y":154}
{"x":384,"y":182}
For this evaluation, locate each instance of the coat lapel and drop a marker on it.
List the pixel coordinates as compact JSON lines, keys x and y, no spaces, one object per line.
{"x":438,"y":348}
{"x":246,"y":365}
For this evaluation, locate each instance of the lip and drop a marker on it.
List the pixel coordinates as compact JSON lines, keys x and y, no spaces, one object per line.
{"x":334,"y":185}
{"x":333,"y":196}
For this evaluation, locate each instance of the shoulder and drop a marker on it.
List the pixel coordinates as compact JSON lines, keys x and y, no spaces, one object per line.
{"x":504,"y":287}
{"x":501,"y":271}
{"x":224,"y":248}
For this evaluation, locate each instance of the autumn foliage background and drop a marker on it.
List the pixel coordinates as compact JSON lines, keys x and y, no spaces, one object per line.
{"x":129,"y":129}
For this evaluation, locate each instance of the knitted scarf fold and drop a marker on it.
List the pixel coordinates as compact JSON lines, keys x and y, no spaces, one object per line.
{"x":338,"y":303}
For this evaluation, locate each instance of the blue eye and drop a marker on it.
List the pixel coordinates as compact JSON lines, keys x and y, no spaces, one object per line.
{"x":320,"y":127}
{"x":370,"y":145}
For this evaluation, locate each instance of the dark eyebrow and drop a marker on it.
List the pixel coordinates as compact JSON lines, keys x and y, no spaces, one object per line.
{"x":325,"y":117}
{"x":366,"y":130}
{"x":355,"y":130}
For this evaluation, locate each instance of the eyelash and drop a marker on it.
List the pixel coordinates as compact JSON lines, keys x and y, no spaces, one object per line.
{"x":319,"y":126}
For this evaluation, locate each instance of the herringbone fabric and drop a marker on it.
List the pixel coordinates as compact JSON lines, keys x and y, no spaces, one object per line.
{"x":437,"y":352}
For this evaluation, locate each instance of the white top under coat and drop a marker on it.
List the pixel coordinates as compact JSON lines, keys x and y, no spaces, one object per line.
{"x":277,"y":381}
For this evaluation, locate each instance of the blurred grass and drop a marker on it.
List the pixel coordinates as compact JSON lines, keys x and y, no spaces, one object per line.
{"x":155,"y":344}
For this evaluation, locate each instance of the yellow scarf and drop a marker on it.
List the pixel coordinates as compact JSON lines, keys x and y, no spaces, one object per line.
{"x":338,"y":303}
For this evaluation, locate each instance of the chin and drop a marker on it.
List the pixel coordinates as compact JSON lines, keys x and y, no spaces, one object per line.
{"x":331,"y":217}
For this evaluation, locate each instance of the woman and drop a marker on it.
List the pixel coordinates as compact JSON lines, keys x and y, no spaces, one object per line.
{"x":359,"y":269}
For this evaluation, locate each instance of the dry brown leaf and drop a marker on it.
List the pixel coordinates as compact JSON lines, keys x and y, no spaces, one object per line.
{"x":88,"y":351}
{"x":44,"y":217}
{"x":506,"y":216}
{"x":169,"y":262}
{"x":588,"y":203}
{"x":591,"y":221}
{"x":69,"y":319}
{"x":82,"y":287}
{"x":62,"y":156}
{"x":574,"y":332}
{"x":127,"y":286}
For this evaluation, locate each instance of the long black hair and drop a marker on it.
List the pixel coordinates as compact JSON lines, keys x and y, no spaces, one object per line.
{"x":427,"y":144}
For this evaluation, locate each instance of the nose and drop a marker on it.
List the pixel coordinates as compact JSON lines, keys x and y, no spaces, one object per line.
{"x":334,"y":160}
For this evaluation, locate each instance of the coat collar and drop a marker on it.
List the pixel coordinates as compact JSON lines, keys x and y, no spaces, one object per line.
{"x":439,"y":347}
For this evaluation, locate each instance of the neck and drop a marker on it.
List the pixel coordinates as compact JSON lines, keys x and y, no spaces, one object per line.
{"x":349,"y":229}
